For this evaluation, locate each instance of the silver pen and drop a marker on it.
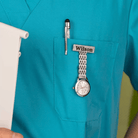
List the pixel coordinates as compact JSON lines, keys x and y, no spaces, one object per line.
{"x":67,"y":33}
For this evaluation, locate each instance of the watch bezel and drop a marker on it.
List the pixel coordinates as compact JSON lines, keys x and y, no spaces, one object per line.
{"x":79,"y":80}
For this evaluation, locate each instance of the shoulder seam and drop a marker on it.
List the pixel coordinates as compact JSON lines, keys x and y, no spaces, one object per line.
{"x":128,"y":25}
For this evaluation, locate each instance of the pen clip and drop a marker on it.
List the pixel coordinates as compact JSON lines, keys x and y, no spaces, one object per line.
{"x":67,"y":33}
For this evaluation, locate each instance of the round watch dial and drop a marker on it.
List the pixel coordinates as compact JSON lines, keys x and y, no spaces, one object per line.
{"x":82,"y":88}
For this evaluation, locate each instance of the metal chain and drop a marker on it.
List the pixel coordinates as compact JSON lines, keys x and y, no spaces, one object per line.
{"x":82,"y":64}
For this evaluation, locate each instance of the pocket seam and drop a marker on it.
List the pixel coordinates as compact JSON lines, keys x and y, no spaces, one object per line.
{"x":55,"y":41}
{"x":99,"y":42}
{"x":79,"y":121}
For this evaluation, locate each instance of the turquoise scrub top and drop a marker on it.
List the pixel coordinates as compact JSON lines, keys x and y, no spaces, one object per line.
{"x":46,"y":106}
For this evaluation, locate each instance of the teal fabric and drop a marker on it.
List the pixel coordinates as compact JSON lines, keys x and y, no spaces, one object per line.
{"x":46,"y":106}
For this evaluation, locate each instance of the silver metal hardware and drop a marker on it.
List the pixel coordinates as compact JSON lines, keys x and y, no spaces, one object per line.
{"x":82,"y":86}
{"x":82,"y":64}
{"x":88,"y":49}
{"x":67,"y":33}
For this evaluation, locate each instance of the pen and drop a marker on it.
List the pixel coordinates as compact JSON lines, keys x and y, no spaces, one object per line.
{"x":67,"y":33}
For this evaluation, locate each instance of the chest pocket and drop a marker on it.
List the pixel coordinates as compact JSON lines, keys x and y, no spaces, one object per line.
{"x":68,"y":104}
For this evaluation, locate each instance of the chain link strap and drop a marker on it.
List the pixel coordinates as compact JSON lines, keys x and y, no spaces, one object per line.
{"x":82,"y":64}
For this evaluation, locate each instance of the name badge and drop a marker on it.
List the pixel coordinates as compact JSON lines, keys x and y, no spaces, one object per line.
{"x":83,"y":48}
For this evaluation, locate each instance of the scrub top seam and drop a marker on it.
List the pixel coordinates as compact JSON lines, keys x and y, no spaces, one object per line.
{"x":27,"y":5}
{"x":30,"y":13}
{"x":111,"y":81}
{"x":54,"y":74}
{"x":5,"y":12}
{"x":112,"y":73}
{"x":128,"y":27}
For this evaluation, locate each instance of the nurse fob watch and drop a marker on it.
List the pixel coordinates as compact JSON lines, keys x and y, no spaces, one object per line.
{"x":82,"y":86}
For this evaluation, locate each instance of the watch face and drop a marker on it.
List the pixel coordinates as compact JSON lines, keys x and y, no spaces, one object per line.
{"x":82,"y":88}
